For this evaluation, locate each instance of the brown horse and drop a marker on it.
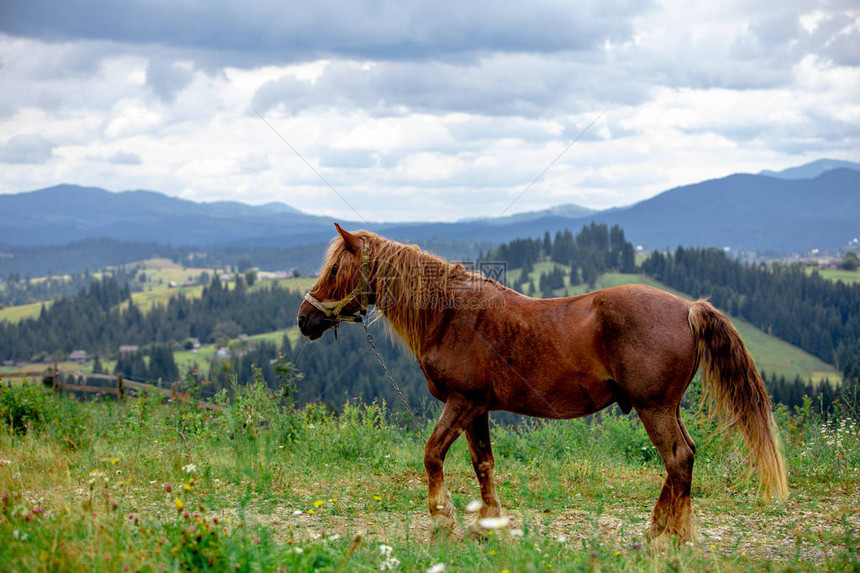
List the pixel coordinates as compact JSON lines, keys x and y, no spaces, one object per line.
{"x":483,"y":347}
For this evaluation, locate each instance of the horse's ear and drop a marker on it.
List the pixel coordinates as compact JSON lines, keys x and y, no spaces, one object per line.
{"x":353,"y":243}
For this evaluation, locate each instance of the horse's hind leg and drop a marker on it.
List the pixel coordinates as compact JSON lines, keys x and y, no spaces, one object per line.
{"x":673,"y":512}
{"x":684,"y":431}
{"x":456,"y":416}
{"x":478,"y":434}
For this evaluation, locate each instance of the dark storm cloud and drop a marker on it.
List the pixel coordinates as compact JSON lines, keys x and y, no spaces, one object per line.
{"x":274,"y":31}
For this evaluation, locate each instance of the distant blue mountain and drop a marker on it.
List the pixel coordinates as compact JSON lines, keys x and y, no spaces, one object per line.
{"x":812,"y":170}
{"x":773,"y":213}
{"x":752,"y":212}
{"x":69,"y":212}
{"x":569,"y":210}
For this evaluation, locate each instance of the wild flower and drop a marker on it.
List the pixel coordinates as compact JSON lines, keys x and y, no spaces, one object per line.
{"x":517,"y":533}
{"x":377,"y":498}
{"x":389,"y":563}
{"x":318,"y":503}
{"x":168,"y":488}
{"x":5,"y":463}
{"x":189,"y":468}
{"x":473,"y":506}
{"x":385,"y":550}
{"x":493,"y":523}
{"x":179,"y":504}
{"x":438,"y":568}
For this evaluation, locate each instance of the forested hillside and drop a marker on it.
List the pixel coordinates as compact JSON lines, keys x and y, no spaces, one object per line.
{"x":809,"y":311}
{"x":815,"y":314}
{"x":102,"y":318}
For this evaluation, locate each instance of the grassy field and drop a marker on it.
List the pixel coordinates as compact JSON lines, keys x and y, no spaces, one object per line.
{"x":847,"y":277}
{"x":141,"y":486}
{"x":20,"y":312}
{"x":203,"y":356}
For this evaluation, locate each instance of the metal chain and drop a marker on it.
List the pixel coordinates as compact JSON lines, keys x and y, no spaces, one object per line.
{"x":390,"y":377}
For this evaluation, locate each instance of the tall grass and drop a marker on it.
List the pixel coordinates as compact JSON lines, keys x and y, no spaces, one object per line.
{"x":259,"y":485}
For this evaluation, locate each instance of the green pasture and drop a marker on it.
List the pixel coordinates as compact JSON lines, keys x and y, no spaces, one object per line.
{"x":847,"y":277}
{"x":258,"y":486}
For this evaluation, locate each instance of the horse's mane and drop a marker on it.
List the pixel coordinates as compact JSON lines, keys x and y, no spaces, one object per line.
{"x":411,"y":285}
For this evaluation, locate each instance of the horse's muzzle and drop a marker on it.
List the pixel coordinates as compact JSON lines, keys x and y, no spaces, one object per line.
{"x":312,"y":323}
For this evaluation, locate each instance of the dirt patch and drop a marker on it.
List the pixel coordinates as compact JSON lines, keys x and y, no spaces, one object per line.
{"x":783,"y":531}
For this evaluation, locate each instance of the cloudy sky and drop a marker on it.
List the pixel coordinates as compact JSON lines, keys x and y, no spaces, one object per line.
{"x":426,"y":110}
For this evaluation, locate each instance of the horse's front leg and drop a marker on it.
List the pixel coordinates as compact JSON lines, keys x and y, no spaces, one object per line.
{"x":456,"y":416}
{"x":478,"y":434}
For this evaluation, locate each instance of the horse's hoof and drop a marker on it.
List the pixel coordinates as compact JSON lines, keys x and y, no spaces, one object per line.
{"x":478,"y":533}
{"x":443,"y":525}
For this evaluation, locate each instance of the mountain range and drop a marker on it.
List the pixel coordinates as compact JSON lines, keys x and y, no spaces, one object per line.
{"x":816,"y":205}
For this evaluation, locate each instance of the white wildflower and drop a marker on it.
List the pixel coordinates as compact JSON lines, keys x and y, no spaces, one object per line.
{"x":298,"y":550}
{"x":494,"y":522}
{"x":389,"y":563}
{"x":517,"y":532}
{"x":385,"y":550}
{"x":438,"y":568}
{"x":20,"y":536}
{"x":473,"y":506}
{"x":561,"y":539}
{"x":297,"y":512}
{"x":189,"y":468}
{"x":5,"y":462}
{"x":96,"y":474}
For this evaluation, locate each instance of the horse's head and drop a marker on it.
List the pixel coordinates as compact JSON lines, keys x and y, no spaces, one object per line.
{"x":342,"y":289}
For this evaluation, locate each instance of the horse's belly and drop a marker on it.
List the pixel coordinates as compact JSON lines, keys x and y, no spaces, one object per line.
{"x":569,"y":399}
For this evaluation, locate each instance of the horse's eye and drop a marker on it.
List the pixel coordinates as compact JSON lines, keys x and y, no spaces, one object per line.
{"x":333,"y":271}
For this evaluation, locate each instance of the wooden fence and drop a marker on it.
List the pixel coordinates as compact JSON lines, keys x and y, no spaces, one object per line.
{"x":119,"y":388}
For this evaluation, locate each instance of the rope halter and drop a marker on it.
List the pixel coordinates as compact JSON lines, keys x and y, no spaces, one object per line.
{"x":332,"y":308}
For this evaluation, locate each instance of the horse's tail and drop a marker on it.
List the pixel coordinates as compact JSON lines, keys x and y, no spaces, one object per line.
{"x":736,"y":394}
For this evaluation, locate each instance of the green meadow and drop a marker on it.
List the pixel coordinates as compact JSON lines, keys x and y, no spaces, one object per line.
{"x":259,"y":485}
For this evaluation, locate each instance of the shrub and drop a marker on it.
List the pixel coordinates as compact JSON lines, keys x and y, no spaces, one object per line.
{"x":22,"y":407}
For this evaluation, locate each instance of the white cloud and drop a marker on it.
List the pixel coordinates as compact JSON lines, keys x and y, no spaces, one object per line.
{"x":125,"y":158}
{"x":28,"y":148}
{"x":427,"y":110}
